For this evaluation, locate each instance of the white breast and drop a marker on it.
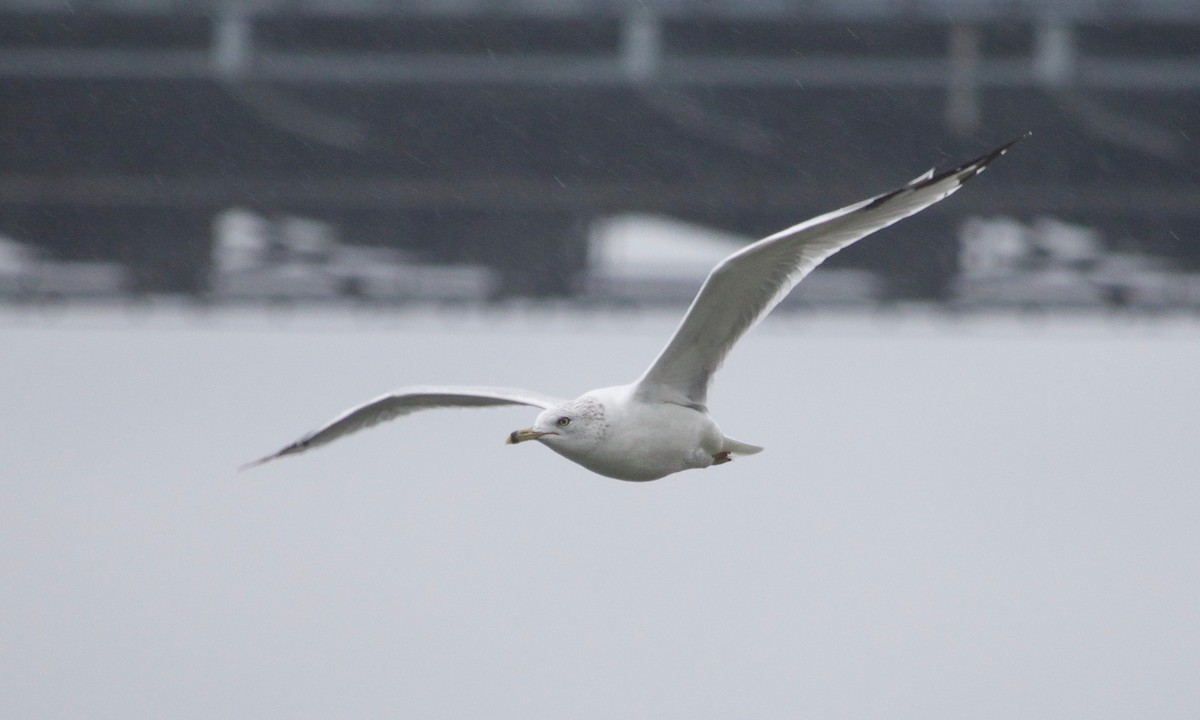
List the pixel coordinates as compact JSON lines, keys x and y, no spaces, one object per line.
{"x":646,"y":441}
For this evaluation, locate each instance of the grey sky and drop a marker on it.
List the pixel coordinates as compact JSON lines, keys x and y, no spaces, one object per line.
{"x":953,"y":518}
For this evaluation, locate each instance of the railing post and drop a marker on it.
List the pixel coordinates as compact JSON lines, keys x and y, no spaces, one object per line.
{"x":641,"y":44}
{"x":962,"y":101}
{"x":1054,"y":53}
{"x":233,"y":41}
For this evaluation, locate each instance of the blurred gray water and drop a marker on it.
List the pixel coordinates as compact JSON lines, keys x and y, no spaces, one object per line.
{"x":985,"y":518}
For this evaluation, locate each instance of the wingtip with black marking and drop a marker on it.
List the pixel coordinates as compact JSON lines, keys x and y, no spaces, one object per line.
{"x":963,"y":172}
{"x":971,"y":168}
{"x":299,"y":446}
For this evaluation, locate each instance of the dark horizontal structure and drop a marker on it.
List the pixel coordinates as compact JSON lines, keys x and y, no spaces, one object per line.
{"x":492,"y":131}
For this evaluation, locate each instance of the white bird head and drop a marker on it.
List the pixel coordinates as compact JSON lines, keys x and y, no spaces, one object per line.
{"x":570,"y":429}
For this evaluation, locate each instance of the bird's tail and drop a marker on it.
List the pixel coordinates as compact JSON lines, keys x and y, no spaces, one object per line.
{"x":739,"y":448}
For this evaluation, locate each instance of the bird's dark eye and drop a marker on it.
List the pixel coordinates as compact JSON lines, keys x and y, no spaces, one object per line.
{"x":563,"y":421}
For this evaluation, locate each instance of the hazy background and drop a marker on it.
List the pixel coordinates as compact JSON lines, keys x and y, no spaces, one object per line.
{"x":986,"y":518}
{"x":477,"y":150}
{"x":222,"y":222}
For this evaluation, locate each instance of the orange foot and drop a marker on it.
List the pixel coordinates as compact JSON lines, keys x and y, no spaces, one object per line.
{"x":721,"y":458}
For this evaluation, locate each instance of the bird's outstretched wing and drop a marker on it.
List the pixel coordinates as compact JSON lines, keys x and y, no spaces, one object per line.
{"x":405,"y":401}
{"x":745,"y":286}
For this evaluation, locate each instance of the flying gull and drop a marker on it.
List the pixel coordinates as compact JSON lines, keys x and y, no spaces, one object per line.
{"x":659,"y":424}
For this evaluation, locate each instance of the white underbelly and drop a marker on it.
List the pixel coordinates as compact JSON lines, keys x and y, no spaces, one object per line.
{"x":654,"y":441}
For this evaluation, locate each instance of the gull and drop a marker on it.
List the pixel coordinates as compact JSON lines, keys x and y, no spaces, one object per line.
{"x":659,"y":424}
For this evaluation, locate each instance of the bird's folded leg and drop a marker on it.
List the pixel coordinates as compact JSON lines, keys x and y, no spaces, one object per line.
{"x":722,"y":457}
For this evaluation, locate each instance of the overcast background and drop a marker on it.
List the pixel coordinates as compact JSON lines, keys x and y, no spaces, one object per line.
{"x":222,"y":222}
{"x":983,"y":517}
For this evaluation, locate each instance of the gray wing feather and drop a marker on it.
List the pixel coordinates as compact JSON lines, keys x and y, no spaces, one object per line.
{"x":404,"y":402}
{"x":745,"y":286}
